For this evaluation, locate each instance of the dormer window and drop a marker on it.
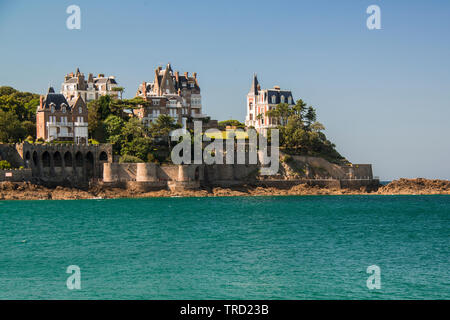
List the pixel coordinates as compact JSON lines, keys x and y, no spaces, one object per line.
{"x":290,"y":100}
{"x":282,"y":99}
{"x":63,"y":107}
{"x":52,"y":107}
{"x":274,"y":99}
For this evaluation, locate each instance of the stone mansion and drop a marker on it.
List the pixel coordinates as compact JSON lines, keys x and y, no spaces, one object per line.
{"x":60,"y":119}
{"x":89,"y":89}
{"x":177,"y":95}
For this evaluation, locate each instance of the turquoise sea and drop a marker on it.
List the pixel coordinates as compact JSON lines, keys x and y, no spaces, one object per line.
{"x":305,"y":247}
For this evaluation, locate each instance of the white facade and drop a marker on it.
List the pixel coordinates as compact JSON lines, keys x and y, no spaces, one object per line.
{"x":259,"y":102}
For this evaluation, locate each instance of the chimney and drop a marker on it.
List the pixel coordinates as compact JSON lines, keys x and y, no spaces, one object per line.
{"x":186,"y":74}
{"x":41,"y":102}
{"x":144,"y":88}
{"x":195,"y":75}
{"x":177,"y":75}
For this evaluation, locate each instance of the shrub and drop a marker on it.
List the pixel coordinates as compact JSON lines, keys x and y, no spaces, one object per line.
{"x":5,"y":165}
{"x":130,"y":159}
{"x":287,"y":158}
{"x":93,"y":141}
{"x":151,"y":158}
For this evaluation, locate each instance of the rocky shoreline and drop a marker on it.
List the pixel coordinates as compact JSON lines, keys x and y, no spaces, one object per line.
{"x":28,"y":191}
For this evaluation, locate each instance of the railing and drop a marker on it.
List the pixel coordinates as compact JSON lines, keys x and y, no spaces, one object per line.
{"x":64,"y":135}
{"x":59,"y":124}
{"x":80,"y":124}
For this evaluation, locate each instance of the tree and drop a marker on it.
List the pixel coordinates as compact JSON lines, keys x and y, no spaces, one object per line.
{"x":259,"y":116}
{"x":310,"y":116}
{"x":317,"y":127}
{"x":113,"y":126}
{"x":300,"y":108}
{"x":30,"y":129}
{"x":232,"y":123}
{"x":99,"y":110}
{"x":11,"y":129}
{"x":134,"y":140}
{"x":162,"y":127}
{"x":119,"y":89}
{"x":23,"y":104}
{"x":281,"y":112}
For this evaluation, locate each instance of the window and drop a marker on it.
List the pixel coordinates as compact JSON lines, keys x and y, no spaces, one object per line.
{"x":250,"y":105}
{"x":80,"y":110}
{"x":290,"y":100}
{"x":282,"y":99}
{"x":274,"y":99}
{"x":192,"y":85}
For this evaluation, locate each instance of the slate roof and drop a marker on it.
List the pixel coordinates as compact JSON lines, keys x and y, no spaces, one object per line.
{"x":278,"y":93}
{"x":254,"y":87}
{"x":57,"y":98}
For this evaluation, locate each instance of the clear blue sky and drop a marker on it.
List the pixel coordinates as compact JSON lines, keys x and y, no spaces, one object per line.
{"x":383,"y":95}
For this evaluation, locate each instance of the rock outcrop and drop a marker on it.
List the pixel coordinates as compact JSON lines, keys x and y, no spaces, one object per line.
{"x":28,"y":191}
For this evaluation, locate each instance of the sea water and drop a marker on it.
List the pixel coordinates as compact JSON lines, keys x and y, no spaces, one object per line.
{"x":296,"y":247}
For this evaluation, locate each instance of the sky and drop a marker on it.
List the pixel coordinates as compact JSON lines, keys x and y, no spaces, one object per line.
{"x":382,"y":95}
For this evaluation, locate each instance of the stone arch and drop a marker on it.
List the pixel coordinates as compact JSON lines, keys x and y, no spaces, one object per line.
{"x":103,"y":156}
{"x":89,"y":164}
{"x":197,"y":173}
{"x":46,"y":159}
{"x":68,"y":159}
{"x":57,"y":159}
{"x":35,"y":159}
{"x":27,"y":159}
{"x":79,"y":159}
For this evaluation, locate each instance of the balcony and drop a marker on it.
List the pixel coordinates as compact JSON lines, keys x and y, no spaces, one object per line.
{"x":55,"y":136}
{"x":80,"y":124}
{"x":59,"y":124}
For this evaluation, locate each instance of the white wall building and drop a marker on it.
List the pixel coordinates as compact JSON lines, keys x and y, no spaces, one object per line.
{"x":259,"y":101}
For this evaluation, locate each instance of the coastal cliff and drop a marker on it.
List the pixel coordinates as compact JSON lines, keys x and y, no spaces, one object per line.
{"x":28,"y":191}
